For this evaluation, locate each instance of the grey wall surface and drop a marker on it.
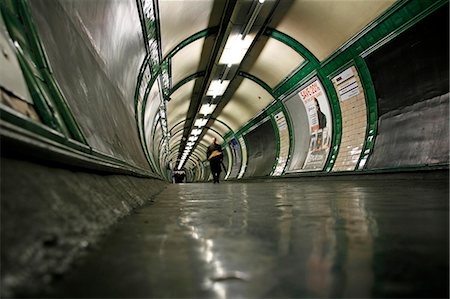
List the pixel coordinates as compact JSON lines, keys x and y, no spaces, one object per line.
{"x":415,"y":135}
{"x":95,"y":49}
{"x":50,"y":215}
{"x":411,"y":75}
{"x":300,"y":127}
{"x":262,"y":150}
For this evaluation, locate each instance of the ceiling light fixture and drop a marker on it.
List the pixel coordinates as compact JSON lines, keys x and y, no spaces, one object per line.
{"x":196,"y":132}
{"x":201,"y":122}
{"x":235,"y":49}
{"x":217,"y":88}
{"x":252,"y":19}
{"x":207,"y":109}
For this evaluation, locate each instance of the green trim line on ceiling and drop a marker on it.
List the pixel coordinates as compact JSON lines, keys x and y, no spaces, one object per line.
{"x":228,"y":135}
{"x":311,"y":62}
{"x":257,"y":81}
{"x":292,"y":43}
{"x":398,"y":18}
{"x":186,"y":80}
{"x":201,"y":34}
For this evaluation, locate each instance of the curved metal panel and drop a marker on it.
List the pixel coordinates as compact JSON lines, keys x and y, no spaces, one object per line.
{"x":262,"y":150}
{"x":95,"y":49}
{"x":299,"y":120}
{"x":237,"y":158}
{"x":410,"y":75}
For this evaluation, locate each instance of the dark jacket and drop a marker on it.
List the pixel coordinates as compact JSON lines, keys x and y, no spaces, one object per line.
{"x":211,"y":148}
{"x":216,"y":161}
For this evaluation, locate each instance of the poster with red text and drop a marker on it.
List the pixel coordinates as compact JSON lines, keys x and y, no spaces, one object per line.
{"x":318,"y":110}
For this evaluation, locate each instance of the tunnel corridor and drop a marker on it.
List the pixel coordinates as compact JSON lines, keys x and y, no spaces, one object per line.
{"x":332,"y":119}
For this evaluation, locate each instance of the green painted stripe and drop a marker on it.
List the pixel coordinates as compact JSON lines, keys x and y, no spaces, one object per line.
{"x":337,"y":121}
{"x":257,"y":81}
{"x":201,"y":34}
{"x":294,"y":82}
{"x":186,"y":80}
{"x":401,"y":16}
{"x":292,"y":43}
{"x":372,"y":110}
{"x":14,"y":118}
{"x":47,"y":96}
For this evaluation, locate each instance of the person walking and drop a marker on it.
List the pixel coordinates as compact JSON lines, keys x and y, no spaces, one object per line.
{"x":214,"y":155}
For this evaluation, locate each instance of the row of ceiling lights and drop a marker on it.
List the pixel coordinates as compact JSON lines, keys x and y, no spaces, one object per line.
{"x":234,"y":51}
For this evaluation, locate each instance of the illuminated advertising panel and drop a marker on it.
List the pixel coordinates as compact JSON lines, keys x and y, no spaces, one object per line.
{"x":320,"y":124}
{"x":236,"y":151}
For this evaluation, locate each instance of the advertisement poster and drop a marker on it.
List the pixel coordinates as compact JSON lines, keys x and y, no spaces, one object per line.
{"x":320,"y":123}
{"x":283,"y":131}
{"x":236,"y":151}
{"x":244,"y":157}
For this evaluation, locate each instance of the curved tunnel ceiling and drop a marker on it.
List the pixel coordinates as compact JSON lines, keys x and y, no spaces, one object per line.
{"x":193,"y":55}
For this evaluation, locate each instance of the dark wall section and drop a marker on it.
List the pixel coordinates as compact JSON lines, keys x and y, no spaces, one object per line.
{"x":49,"y":215}
{"x":95,"y":49}
{"x":262,"y":150}
{"x":410,"y":75}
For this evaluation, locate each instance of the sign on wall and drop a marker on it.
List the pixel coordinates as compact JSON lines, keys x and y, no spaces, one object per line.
{"x":320,"y":123}
{"x":346,"y":84}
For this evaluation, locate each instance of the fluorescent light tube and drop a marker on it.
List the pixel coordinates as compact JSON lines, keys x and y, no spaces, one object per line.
{"x":217,"y":87}
{"x":201,"y":122}
{"x":235,"y":49}
{"x":196,"y":132}
{"x":207,"y":109}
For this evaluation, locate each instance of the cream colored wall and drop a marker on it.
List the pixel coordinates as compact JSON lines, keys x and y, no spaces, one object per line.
{"x":322,"y":26}
{"x":186,"y":61}
{"x":181,"y":19}
{"x":275,"y":62}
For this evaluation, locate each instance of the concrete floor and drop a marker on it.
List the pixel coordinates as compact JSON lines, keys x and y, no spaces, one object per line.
{"x":333,"y":237}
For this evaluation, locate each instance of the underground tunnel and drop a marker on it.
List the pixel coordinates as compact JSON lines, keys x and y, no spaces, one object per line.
{"x":331,"y":121}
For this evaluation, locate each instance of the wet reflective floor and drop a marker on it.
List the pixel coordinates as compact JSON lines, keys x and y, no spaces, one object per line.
{"x":331,"y":238}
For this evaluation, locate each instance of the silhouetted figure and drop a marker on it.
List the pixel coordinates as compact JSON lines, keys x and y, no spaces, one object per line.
{"x":214,"y":155}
